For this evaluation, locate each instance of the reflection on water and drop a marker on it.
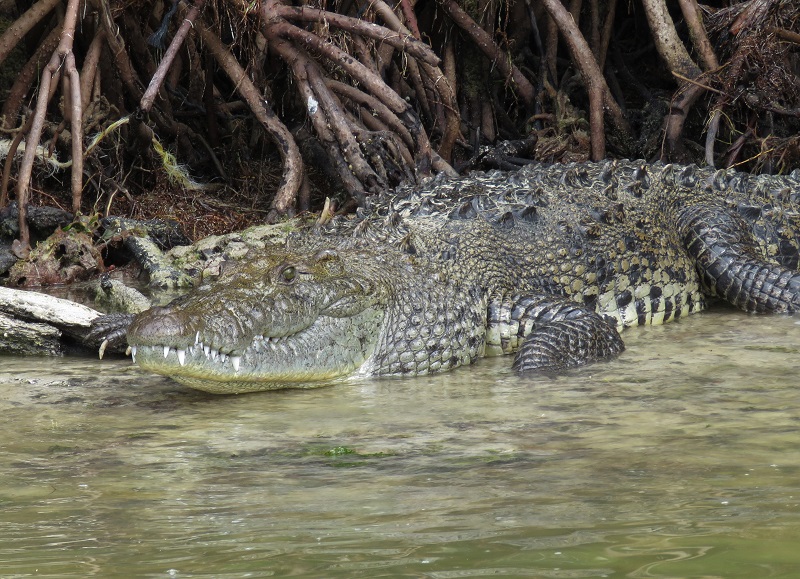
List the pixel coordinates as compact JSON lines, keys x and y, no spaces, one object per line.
{"x":680,"y":459}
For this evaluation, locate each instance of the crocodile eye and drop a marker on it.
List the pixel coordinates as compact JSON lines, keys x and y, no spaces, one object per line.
{"x":287,"y":274}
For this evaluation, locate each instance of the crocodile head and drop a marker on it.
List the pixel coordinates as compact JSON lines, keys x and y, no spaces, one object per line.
{"x":288,"y":319}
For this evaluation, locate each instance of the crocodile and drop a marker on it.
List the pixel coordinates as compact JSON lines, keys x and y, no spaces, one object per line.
{"x":548,"y":263}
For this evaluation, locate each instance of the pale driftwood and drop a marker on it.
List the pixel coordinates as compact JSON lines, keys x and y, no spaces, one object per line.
{"x":34,"y":323}
{"x":51,"y":310}
{"x":29,"y":338}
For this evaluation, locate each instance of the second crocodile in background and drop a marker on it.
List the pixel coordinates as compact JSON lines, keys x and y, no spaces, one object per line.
{"x":548,"y":263}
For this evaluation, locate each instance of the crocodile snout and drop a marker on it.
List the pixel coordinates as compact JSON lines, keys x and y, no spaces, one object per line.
{"x":158,"y":325}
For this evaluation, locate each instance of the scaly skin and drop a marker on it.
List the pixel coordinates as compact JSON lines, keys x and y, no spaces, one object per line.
{"x":303,"y":319}
{"x":548,"y":263}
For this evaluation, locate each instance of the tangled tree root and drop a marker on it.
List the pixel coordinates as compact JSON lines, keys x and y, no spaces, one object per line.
{"x":280,"y":106}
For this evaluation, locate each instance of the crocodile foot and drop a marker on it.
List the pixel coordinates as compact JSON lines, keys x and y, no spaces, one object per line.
{"x":108,"y":332}
{"x":578,"y":339}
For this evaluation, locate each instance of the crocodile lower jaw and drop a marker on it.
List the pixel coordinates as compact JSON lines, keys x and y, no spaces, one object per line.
{"x":209,"y":370}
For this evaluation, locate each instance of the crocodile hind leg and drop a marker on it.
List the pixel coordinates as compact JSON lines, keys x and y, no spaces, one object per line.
{"x":551,"y":332}
{"x":731,"y":266}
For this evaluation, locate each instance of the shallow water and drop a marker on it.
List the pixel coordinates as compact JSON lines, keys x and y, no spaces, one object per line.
{"x":680,"y":459}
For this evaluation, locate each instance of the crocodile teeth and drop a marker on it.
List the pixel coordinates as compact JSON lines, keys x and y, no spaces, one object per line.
{"x":197,"y":337}
{"x":192,"y":351}
{"x":133,"y":354}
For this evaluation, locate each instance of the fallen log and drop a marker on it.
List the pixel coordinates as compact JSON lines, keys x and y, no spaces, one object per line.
{"x":34,"y":323}
{"x":29,"y":338}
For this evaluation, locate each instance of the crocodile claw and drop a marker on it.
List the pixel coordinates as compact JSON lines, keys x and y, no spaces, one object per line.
{"x":108,"y":332}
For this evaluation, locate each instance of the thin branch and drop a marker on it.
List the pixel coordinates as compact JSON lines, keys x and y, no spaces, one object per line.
{"x":550,"y":58}
{"x":163,"y":67}
{"x":441,"y":82}
{"x":292,"y":178}
{"x":594,"y":34}
{"x":371,"y":80}
{"x":404,"y":42}
{"x":76,"y":122}
{"x":9,"y":162}
{"x":751,"y":15}
{"x":446,"y":84}
{"x":118,"y":52}
{"x":486,"y":44}
{"x":25,"y":78}
{"x":89,"y":69}
{"x":375,"y":106}
{"x":599,"y":94}
{"x":298,"y":62}
{"x":22,"y":25}
{"x":696,"y":83}
{"x":668,"y":44}
{"x":411,"y":18}
{"x":605,"y":38}
{"x":697,"y":32}
{"x":62,"y":52}
{"x":345,"y":138}
{"x":711,"y":136}
{"x":273,"y":27}
{"x":785,"y":34}
{"x":414,"y":77}
{"x":682,"y":102}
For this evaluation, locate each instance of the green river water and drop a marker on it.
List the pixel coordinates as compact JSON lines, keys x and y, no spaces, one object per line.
{"x":680,"y":459}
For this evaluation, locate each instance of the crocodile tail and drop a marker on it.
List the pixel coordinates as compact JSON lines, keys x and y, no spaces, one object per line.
{"x":731,"y":266}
